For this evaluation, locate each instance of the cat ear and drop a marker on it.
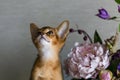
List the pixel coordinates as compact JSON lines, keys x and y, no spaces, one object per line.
{"x":34,"y":31}
{"x":63,"y":29}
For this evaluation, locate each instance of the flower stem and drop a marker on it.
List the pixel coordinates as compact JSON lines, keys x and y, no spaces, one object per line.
{"x":88,"y":36}
{"x":83,"y":32}
{"x":117,"y":19}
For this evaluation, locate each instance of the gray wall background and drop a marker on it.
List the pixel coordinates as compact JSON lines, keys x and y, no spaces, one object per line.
{"x":17,"y":52}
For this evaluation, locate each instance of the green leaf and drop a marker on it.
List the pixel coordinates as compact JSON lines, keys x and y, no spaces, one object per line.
{"x":117,"y":1}
{"x":113,"y":65}
{"x":97,"y":37}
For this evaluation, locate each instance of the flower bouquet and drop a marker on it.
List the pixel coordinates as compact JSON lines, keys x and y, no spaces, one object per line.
{"x":95,"y":60}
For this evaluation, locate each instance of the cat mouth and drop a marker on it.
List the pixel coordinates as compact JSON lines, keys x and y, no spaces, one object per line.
{"x":45,"y":39}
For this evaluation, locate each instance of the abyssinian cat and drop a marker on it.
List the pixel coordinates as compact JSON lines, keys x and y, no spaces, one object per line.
{"x":49,"y":42}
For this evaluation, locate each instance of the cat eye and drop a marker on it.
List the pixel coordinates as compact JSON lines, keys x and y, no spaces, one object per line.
{"x":39,"y":33}
{"x":49,"y":32}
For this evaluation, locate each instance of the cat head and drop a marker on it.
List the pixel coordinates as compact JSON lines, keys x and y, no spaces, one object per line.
{"x":49,"y":37}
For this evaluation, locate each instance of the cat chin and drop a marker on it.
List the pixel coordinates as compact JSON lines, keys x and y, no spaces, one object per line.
{"x":43,"y":41}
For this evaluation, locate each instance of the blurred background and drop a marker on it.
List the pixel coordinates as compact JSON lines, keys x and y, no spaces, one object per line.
{"x":17,"y":52}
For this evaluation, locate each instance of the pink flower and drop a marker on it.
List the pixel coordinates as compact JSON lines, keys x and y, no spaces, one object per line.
{"x":85,"y":60}
{"x":105,"y":75}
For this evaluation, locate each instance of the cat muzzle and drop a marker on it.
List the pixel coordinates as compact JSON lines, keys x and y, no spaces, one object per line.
{"x":43,"y":37}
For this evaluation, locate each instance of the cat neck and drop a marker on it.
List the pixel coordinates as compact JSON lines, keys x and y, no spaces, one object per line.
{"x":48,"y":54}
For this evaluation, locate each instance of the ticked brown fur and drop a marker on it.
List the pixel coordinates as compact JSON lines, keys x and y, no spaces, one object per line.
{"x":49,"y":42}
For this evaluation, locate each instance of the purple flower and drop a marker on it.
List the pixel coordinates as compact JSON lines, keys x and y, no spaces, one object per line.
{"x":86,"y":60}
{"x":118,"y":70}
{"x":118,"y":67}
{"x":116,"y":55}
{"x":119,"y":8}
{"x":103,"y":14}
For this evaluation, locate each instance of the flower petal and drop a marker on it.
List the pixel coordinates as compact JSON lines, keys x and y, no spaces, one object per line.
{"x":103,"y":14}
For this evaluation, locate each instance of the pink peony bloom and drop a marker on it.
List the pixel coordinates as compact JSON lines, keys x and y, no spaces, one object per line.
{"x":105,"y":75}
{"x":86,"y":60}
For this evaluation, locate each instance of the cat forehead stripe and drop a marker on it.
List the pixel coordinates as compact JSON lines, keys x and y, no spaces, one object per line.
{"x":46,"y":28}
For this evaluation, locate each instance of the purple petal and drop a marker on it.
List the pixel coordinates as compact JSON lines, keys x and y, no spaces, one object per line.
{"x":103,"y":14}
{"x":118,"y":67}
{"x":103,"y":11}
{"x":119,"y":8}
